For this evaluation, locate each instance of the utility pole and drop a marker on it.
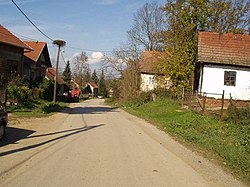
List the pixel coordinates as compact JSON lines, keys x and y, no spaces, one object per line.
{"x":60,"y":44}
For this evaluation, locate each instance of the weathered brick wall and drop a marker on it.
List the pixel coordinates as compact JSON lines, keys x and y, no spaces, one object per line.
{"x":214,"y":103}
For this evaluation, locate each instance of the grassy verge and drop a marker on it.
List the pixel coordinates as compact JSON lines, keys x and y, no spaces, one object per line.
{"x":39,"y":108}
{"x":228,"y":143}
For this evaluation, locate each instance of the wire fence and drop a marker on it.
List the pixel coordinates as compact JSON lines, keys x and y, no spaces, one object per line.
{"x":203,"y":102}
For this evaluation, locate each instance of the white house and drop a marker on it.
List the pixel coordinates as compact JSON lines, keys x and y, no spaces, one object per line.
{"x":223,"y":64}
{"x":151,"y":78}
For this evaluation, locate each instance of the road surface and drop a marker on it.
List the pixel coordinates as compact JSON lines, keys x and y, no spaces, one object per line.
{"x":91,"y":144}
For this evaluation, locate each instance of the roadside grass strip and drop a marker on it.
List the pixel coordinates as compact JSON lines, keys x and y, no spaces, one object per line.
{"x":228,"y":143}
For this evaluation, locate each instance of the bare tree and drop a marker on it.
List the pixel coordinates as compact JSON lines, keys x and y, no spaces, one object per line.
{"x":81,"y":68}
{"x":125,"y":62}
{"x":120,"y":59}
{"x":148,"y":22}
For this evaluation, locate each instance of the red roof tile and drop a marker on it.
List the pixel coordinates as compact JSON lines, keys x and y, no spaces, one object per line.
{"x":7,"y":37}
{"x":150,"y":60}
{"x":225,"y":48}
{"x":37,"y":50}
{"x":50,"y":73}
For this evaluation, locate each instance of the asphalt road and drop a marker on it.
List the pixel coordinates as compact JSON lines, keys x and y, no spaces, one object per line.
{"x":91,"y":144}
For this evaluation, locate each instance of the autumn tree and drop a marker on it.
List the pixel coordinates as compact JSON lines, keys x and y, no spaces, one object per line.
{"x":67,"y":73}
{"x":81,"y":68}
{"x":185,"y":18}
{"x":148,"y":22}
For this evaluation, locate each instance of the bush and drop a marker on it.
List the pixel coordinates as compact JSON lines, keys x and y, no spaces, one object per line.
{"x":239,"y":115}
{"x":47,"y":89}
{"x":51,"y":107}
{"x":145,"y":97}
{"x":18,"y":92}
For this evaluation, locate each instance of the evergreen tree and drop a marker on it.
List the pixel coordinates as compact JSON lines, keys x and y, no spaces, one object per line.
{"x":88,"y":75}
{"x":94,"y":77}
{"x":102,"y":85}
{"x":67,"y":73}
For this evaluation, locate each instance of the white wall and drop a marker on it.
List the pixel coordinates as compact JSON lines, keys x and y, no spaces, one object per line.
{"x":213,"y":82}
{"x":148,"y":82}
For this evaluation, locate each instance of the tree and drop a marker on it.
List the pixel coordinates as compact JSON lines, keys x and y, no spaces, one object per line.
{"x":102,"y":85}
{"x":148,"y":22}
{"x":94,"y":77}
{"x":125,"y":62}
{"x":185,"y":18}
{"x":67,"y":73}
{"x":81,"y":69}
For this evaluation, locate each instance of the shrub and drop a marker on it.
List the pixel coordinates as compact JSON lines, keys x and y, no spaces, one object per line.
{"x":47,"y":89}
{"x":18,"y":92}
{"x":239,"y":115}
{"x":51,"y":107}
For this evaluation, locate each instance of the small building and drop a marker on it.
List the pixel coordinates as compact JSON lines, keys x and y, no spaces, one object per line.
{"x":12,"y":51}
{"x":151,"y":78}
{"x":91,"y":88}
{"x":37,"y":61}
{"x":223,"y":64}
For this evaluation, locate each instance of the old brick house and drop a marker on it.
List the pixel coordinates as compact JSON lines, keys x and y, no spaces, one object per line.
{"x":12,"y":51}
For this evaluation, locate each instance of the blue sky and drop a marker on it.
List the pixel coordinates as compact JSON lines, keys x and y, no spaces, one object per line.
{"x":98,"y":25}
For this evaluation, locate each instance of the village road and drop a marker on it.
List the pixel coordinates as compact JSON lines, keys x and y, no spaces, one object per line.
{"x":91,"y":144}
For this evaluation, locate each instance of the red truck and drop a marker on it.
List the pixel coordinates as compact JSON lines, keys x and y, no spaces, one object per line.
{"x":72,"y":95}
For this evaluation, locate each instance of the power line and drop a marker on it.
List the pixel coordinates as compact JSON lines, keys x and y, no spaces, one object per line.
{"x":91,"y":50}
{"x":63,"y":58}
{"x":24,"y":37}
{"x":31,"y":21}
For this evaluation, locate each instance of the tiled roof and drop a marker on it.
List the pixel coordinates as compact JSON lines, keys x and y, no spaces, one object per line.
{"x":233,"y":49}
{"x":7,"y":37}
{"x":50,"y":73}
{"x":150,"y":60}
{"x":37,"y":50}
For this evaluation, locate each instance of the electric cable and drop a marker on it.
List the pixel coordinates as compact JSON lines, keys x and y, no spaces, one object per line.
{"x":31,"y":21}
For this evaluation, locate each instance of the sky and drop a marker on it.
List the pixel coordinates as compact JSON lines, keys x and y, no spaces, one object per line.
{"x":92,"y":26}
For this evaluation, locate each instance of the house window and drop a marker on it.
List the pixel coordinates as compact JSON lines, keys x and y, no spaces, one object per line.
{"x":151,"y":80}
{"x":230,"y":78}
{"x":12,"y":69}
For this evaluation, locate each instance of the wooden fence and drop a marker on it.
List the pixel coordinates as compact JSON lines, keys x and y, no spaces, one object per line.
{"x":201,"y":102}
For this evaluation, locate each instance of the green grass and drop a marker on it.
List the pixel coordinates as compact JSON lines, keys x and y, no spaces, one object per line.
{"x":228,"y":143}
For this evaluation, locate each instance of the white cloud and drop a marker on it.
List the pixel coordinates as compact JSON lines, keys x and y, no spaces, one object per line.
{"x":96,"y":58}
{"x":97,"y":55}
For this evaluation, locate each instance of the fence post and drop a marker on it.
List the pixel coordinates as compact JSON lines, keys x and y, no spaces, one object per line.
{"x":204,"y":102}
{"x":182,"y":99}
{"x":222,"y":103}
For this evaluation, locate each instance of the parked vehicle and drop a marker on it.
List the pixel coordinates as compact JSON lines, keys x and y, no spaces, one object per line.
{"x":72,"y":95}
{"x":3,"y":120}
